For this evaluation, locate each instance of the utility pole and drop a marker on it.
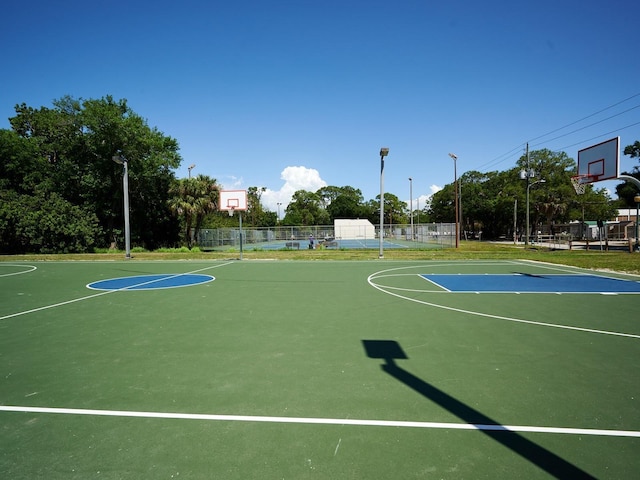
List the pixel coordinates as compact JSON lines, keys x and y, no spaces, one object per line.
{"x":528,"y":174}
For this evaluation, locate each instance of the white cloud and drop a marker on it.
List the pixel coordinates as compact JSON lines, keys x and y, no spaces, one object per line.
{"x":295,"y":178}
{"x":230,"y":182}
{"x":423,"y":200}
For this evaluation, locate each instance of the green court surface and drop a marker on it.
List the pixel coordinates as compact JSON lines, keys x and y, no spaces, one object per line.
{"x":296,"y":370}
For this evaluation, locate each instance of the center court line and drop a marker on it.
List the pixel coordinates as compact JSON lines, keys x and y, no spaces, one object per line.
{"x":321,"y":421}
{"x":60,"y":304}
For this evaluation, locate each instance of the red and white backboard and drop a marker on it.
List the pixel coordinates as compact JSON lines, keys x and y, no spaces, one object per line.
{"x":233,"y":200}
{"x":599,"y":162}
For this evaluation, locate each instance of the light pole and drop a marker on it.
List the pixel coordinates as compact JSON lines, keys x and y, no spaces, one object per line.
{"x":455,"y":183}
{"x":191,"y":167}
{"x":121,"y":160}
{"x":279,"y":203}
{"x":384,"y":151}
{"x":529,"y":185}
{"x":411,"y":204}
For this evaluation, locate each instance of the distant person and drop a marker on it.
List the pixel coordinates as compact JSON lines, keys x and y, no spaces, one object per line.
{"x":311,"y":240}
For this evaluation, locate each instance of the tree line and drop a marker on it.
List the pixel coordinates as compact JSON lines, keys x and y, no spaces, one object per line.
{"x":61,"y":191}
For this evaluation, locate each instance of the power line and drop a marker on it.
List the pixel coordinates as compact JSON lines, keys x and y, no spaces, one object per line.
{"x":507,"y":156}
{"x":510,"y":154}
{"x":586,"y":126}
{"x":597,"y":136}
{"x":588,"y":116}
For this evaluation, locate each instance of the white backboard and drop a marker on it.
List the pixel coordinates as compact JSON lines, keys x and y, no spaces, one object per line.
{"x":600,"y":162}
{"x":235,"y":200}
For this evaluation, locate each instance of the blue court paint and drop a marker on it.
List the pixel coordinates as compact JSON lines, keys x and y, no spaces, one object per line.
{"x":151,"y":282}
{"x":520,"y":283}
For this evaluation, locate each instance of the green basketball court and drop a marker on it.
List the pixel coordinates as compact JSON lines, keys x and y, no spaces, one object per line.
{"x":282,"y":369}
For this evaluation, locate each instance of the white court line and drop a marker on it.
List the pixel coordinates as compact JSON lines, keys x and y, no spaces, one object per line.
{"x":321,"y":421}
{"x":31,"y":267}
{"x":371,"y":279}
{"x":571,"y":269}
{"x":60,"y":304}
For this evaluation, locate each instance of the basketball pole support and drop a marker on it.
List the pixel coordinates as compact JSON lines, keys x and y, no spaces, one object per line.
{"x":631,"y":179}
{"x":636,"y":182}
{"x":240,"y":213}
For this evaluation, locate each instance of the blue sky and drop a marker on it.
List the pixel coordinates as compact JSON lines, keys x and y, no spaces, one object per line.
{"x":297,"y":94}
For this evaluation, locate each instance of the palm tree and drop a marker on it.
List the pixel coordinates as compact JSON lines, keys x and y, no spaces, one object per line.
{"x":192,"y":199}
{"x":552,"y":208}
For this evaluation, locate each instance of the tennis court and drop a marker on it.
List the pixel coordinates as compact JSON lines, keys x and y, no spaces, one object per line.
{"x":349,"y":244}
{"x":318,"y":369}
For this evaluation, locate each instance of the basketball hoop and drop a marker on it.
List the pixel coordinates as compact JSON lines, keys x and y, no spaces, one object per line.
{"x":231,"y":209}
{"x":580,"y":183}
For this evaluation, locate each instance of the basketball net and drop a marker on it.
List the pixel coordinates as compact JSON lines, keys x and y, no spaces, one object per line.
{"x":231,"y":209}
{"x":578,"y":184}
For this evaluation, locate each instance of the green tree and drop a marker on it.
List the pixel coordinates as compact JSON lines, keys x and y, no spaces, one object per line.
{"x":342,"y":202}
{"x":491,"y":202}
{"x":112,"y":127}
{"x":44,"y":223}
{"x":593,"y":204}
{"x":21,"y":168}
{"x":305,"y":208}
{"x":627,"y":191}
{"x":633,"y":151}
{"x":257,"y":215}
{"x":70,"y":148}
{"x":191,"y":200}
{"x":442,"y":205}
{"x":394,"y":210}
{"x":484,"y":203}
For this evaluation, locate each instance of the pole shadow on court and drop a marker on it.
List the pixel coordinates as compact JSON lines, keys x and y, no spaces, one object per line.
{"x":389,"y":351}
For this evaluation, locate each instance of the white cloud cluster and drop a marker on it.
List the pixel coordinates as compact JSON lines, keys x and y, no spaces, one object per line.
{"x":303,"y":178}
{"x":423,"y":200}
{"x":295,"y":178}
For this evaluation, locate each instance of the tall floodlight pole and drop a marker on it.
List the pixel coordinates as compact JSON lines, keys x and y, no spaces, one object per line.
{"x":279,"y":203}
{"x":411,"y":204}
{"x":455,"y":183}
{"x":529,"y":185}
{"x":191,"y":167}
{"x":121,"y":160}
{"x":383,"y":153}
{"x":528,"y":176}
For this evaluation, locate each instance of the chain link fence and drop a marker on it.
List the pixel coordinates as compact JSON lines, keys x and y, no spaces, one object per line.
{"x":424,"y":235}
